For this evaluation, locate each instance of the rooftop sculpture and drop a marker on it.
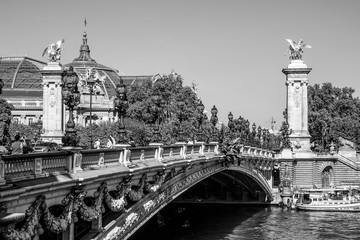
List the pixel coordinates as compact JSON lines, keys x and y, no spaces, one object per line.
{"x":296,"y":49}
{"x":54,"y":51}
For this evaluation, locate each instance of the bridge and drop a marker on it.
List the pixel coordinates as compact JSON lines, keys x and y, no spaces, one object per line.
{"x":110,"y":193}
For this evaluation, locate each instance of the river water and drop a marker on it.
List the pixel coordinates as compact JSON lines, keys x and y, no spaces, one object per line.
{"x":230,"y":222}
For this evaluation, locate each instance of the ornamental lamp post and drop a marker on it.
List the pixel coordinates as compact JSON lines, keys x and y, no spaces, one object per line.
{"x":92,"y":80}
{"x":214,"y":120}
{"x":39,"y":128}
{"x":253,"y":134}
{"x":71,"y":98}
{"x":156,"y":107}
{"x":247,"y":131}
{"x":90,"y":83}
{"x":181,"y":104}
{"x":231,"y":118}
{"x":200,"y":108}
{"x":120,"y":107}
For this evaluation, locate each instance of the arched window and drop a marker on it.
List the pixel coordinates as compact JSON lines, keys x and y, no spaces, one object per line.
{"x":327,"y":177}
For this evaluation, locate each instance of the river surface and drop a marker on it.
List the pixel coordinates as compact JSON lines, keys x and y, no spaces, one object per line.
{"x":230,"y":222}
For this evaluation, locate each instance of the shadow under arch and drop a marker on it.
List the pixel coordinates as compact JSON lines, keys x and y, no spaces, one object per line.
{"x":256,"y":176}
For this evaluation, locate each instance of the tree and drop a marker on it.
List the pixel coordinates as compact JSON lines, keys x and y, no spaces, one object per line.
{"x":158,"y":102}
{"x":5,"y":118}
{"x":333,"y":113}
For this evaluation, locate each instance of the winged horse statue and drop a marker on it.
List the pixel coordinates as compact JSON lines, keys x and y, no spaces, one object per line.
{"x":296,"y":49}
{"x":54,"y":51}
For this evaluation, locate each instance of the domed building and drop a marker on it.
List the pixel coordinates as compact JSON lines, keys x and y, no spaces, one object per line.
{"x":23,"y":87}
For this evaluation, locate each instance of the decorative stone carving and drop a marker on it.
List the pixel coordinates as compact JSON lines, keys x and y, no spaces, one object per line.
{"x":296,"y":49}
{"x":54,"y":51}
{"x":137,"y":192}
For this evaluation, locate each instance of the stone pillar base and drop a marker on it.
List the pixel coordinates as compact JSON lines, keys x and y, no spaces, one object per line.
{"x":52,"y":137}
{"x":300,"y":143}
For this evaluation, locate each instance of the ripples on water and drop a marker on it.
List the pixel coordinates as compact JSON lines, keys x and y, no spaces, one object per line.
{"x":224,"y":222}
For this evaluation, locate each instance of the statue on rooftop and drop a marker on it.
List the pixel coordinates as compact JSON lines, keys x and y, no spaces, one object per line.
{"x":54,"y":51}
{"x":296,"y":49}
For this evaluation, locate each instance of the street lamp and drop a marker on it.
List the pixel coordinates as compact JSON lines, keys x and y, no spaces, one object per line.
{"x":39,"y":128}
{"x":181,"y":104}
{"x":231,"y":118}
{"x":156,"y":107}
{"x":91,"y":81}
{"x":71,"y":98}
{"x":214,"y":120}
{"x":253,"y":135}
{"x":247,"y":131}
{"x":120,"y":106}
{"x":200,"y":108}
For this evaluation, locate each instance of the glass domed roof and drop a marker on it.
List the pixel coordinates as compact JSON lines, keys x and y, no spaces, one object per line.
{"x":21,"y":72}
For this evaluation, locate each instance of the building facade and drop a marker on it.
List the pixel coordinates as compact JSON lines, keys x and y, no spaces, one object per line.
{"x":24,"y":86}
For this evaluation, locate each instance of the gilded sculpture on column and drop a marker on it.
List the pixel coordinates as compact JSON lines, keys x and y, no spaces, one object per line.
{"x":296,"y":49}
{"x":54,"y":51}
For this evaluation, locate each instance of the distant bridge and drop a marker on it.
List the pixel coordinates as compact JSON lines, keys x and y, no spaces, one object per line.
{"x":110,"y":193}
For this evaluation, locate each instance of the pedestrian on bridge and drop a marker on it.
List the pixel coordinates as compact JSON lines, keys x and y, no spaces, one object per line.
{"x":17,"y":146}
{"x":3,"y":149}
{"x":109,"y":143}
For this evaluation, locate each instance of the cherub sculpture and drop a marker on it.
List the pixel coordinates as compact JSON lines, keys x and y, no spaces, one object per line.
{"x":296,"y":49}
{"x":54,"y":51}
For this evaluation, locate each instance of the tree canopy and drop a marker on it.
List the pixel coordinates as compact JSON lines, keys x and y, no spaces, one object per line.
{"x":333,"y":113}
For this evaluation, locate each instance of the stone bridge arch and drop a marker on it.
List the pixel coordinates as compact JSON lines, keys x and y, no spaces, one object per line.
{"x":129,"y":222}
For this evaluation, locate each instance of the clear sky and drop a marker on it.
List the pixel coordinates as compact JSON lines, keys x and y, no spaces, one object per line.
{"x":233,"y":50}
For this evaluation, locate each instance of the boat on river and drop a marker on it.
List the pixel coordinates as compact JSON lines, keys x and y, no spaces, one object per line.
{"x":334,"y":200}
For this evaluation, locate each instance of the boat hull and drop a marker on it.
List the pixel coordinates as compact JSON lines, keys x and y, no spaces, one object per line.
{"x":351,"y":207}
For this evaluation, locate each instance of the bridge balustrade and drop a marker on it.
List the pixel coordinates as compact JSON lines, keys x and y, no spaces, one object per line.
{"x":210,"y":148}
{"x":202,"y":160}
{"x":143,"y":154}
{"x":29,"y":166}
{"x":193,"y":150}
{"x":172,"y":153}
{"x":97,"y":157}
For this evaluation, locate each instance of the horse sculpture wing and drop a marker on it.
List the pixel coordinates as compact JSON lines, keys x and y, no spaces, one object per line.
{"x":58,"y":43}
{"x":292,"y":43}
{"x":45,"y":51}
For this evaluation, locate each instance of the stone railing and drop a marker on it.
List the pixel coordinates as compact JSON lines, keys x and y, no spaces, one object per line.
{"x":14,"y":168}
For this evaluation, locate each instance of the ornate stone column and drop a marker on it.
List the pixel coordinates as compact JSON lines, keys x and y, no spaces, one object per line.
{"x":52,"y":103}
{"x":297,"y":104}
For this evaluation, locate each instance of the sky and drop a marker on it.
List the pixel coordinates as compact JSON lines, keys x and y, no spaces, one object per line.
{"x":233,"y":50}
